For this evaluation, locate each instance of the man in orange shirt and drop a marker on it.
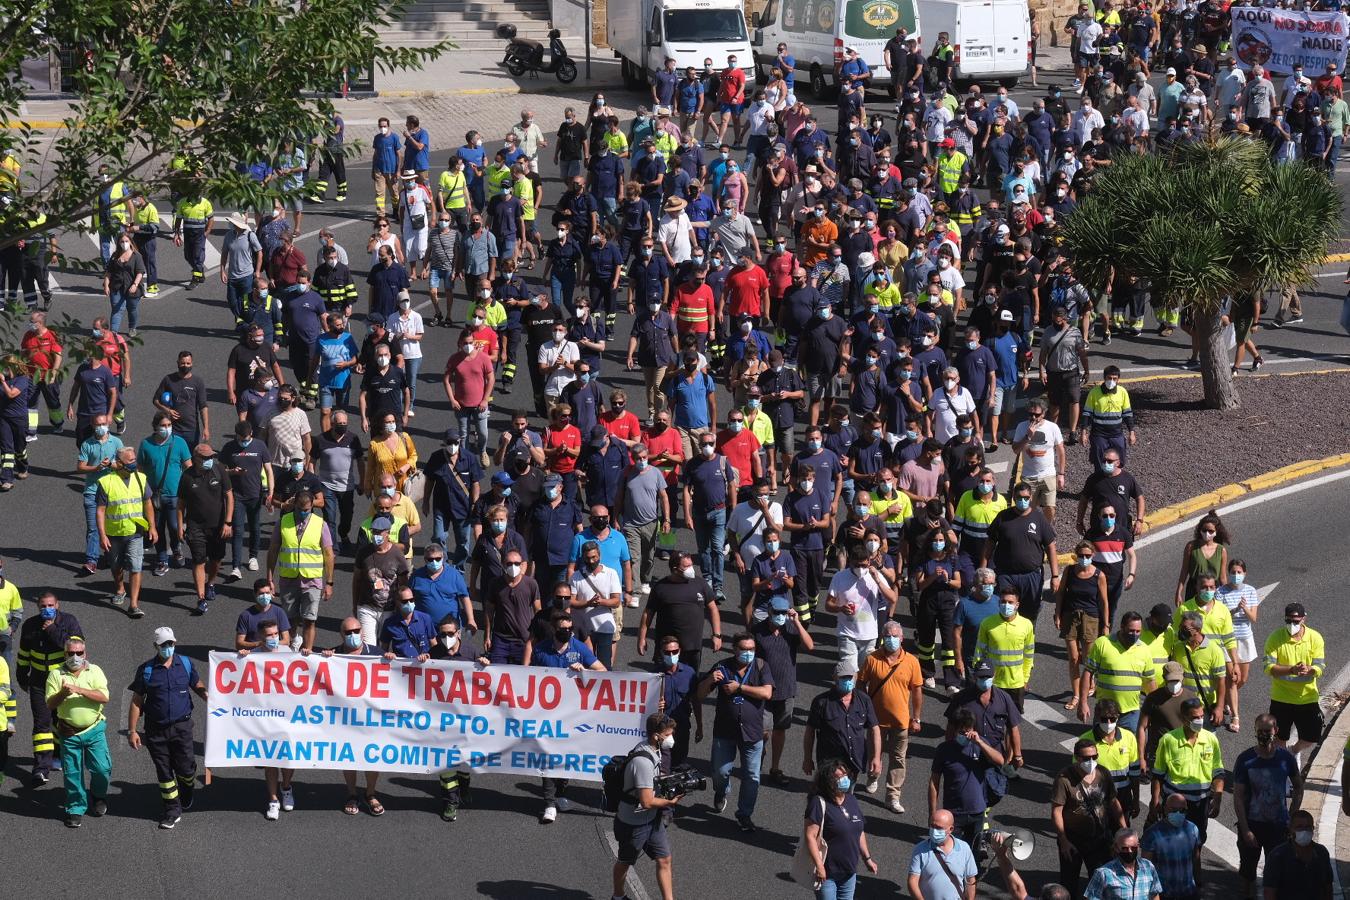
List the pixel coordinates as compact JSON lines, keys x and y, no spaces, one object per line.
{"x":741,"y":448}
{"x":694,"y":307}
{"x":666,"y":449}
{"x":746,"y":292}
{"x":43,"y":350}
{"x":818,"y":235}
{"x":562,"y":447}
{"x":892,"y":678}
{"x":619,"y":422}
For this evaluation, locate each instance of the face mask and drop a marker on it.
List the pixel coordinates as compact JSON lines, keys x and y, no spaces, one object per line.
{"x":1303,"y":837}
{"x":745,"y":657}
{"x":708,"y":450}
{"x":1238,"y":577}
{"x":101,"y":430}
{"x":377,"y":539}
{"x":779,"y":619}
{"x":264,"y":600}
{"x":1293,"y":627}
{"x":813,"y":446}
{"x":382,"y":361}
{"x":551,"y":493}
{"x":1007,"y":610}
{"x":688,"y":573}
{"x":1087,"y":765}
{"x":1197,"y":724}
{"x":499,"y":527}
{"x":984,"y":487}
{"x":1174,"y":687}
{"x":1128,"y":638}
{"x":939,"y":545}
{"x":390,"y":427}
{"x":806,"y":486}
{"x":272,"y":643}
{"x":937,"y":835}
{"x":736,"y":427}
{"x":1206,"y":595}
{"x":752,"y":403}
{"x":1107,"y":468}
{"x":844,"y":783}
{"x":1023,"y":502}
{"x":47,"y":612}
{"x":562,"y":635}
{"x":824,"y":313}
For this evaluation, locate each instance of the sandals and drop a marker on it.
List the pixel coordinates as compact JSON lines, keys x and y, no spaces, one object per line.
{"x":1072,"y":703}
{"x":375,"y":806}
{"x":352,"y":806}
{"x":1234,"y":725}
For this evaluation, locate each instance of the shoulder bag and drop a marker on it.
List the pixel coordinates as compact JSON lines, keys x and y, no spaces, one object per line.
{"x":803,"y":869}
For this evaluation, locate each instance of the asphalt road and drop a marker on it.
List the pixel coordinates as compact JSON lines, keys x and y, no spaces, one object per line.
{"x":42,"y":542}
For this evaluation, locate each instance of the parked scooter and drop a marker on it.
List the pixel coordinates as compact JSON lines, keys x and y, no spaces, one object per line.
{"x":525,"y":55}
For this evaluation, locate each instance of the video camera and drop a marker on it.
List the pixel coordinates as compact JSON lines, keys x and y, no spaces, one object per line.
{"x":683,"y":779}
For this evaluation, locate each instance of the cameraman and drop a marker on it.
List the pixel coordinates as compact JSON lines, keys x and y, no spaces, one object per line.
{"x":640,"y":825}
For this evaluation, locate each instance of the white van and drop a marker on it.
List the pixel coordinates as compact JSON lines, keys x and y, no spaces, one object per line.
{"x":991,"y":39}
{"x":817,"y":31}
{"x":644,"y":33}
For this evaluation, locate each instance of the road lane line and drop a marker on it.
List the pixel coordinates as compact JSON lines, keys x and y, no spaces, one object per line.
{"x":632,"y":886}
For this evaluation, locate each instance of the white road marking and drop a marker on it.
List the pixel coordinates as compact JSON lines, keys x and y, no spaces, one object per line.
{"x":1330,"y":821}
{"x":212,"y":254}
{"x":1331,"y":358}
{"x":1263,"y":592}
{"x":631,"y":885}
{"x":1221,"y":841}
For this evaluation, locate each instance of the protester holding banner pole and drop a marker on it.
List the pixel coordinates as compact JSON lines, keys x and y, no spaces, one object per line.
{"x":452,"y":644}
{"x":352,"y":645}
{"x":280,"y":793}
{"x":563,"y":652}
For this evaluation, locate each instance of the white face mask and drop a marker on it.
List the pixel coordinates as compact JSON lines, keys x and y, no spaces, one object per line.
{"x":1293,"y":627}
{"x":688,"y":572}
{"x":1174,"y":687}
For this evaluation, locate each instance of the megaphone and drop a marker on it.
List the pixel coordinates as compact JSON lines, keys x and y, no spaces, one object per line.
{"x":1020,"y":842}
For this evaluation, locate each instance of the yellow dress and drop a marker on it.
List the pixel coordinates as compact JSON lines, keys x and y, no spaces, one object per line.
{"x":384,"y":458}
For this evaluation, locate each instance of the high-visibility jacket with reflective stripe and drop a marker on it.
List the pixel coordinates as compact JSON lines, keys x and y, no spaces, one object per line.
{"x":1121,"y":672}
{"x":1010,"y":647}
{"x":1120,"y":756}
{"x":454,"y":190}
{"x":974,"y":513}
{"x":1283,"y":649}
{"x":125,"y":511}
{"x":1107,"y":411}
{"x":1218,"y":622}
{"x":950,"y":168}
{"x":301,"y":554}
{"x":1206,"y":666}
{"x":42,"y":649}
{"x":192,"y":214}
{"x":1159,"y":644}
{"x":1185,"y":768}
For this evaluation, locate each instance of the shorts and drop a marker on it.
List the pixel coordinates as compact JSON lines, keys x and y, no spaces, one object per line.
{"x":821,"y":387}
{"x":1005,"y":400}
{"x":1306,"y":717}
{"x":634,"y":840}
{"x":330,"y":397}
{"x":778,"y":714}
{"x":508,"y":248}
{"x":127,"y":553}
{"x":1087,"y":60}
{"x":1064,"y":388}
{"x":1044,"y":491}
{"x":1080,"y":628}
{"x":1246,"y":649}
{"x":301,"y":602}
{"x":294,"y":204}
{"x":415,"y":243}
{"x":734,"y":108}
{"x":442,"y":278}
{"x":205,"y":546}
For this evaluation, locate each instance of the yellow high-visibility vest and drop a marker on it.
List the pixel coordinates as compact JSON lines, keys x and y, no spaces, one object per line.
{"x":301,"y":554}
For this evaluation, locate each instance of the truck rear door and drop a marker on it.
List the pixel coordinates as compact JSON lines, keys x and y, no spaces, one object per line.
{"x":1011,"y":27}
{"x":976,"y":34}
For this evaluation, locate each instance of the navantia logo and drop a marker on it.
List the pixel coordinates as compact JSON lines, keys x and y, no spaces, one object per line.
{"x":582,"y":728}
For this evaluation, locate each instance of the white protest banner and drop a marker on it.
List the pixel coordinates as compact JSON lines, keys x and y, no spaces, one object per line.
{"x":1277,"y":39}
{"x":363,"y":712}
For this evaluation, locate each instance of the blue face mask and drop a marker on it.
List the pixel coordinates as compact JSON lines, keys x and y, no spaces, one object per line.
{"x":779,"y":619}
{"x":1007,"y":610}
{"x":585,"y":377}
{"x":906,"y":374}
{"x":845,"y":685}
{"x":377,"y":539}
{"x":771,"y":546}
{"x":506,"y":492}
{"x":209,"y":464}
{"x":47,"y":612}
{"x":752,"y":403}
{"x":813,"y":446}
{"x":937,"y":835}
{"x":939,"y":545}
{"x":272,"y":643}
{"x":552,"y":493}
{"x":985,"y":591}
{"x":891,"y":642}
{"x":351,"y":641}
{"x":984,"y":684}
{"x":860,"y":510}
{"x":264,"y":600}
{"x":1239,"y":577}
{"x":1176,"y":817}
{"x":244,"y":442}
{"x":963,"y":740}
{"x":1206,"y":595}
{"x":843,"y":784}
{"x":435,"y":565}
{"x":1108,"y":521}
{"x":823,"y":313}
{"x":166,"y":651}
{"x":670,"y":659}
{"x":745,"y":657}
{"x":407,"y":608}
{"x":1023,"y":502}
{"x":985,"y":488}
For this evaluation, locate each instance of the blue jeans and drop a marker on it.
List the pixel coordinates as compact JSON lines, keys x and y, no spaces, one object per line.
{"x":837,"y":888}
{"x":132,"y":306}
{"x":1334,"y":154}
{"x":710,"y":531}
{"x":473,"y":422}
{"x":92,"y":549}
{"x":602,"y":645}
{"x":247,"y":514}
{"x":107,"y":243}
{"x":561,"y":288}
{"x":1130,"y":720}
{"x":441,"y":525}
{"x":236,"y":289}
{"x":166,"y":523}
{"x":410,"y":368}
{"x":724,"y":752}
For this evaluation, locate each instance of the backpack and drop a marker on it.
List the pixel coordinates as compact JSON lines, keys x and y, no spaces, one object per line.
{"x":611,"y":777}
{"x":150,"y":670}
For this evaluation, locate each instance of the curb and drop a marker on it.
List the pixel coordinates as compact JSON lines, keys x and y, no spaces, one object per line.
{"x":1338,"y":257}
{"x":1172,"y":376}
{"x":1321,"y":782}
{"x":1178,"y":512}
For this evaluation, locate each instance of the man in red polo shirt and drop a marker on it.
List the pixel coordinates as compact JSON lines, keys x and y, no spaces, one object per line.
{"x":562,"y":447}
{"x":741,"y":448}
{"x":693,"y":308}
{"x":286,"y":262}
{"x":43,"y":351}
{"x":666,"y":451}
{"x":620,"y":422}
{"x":779,"y":269}
{"x":117,"y":357}
{"x":746,"y":292}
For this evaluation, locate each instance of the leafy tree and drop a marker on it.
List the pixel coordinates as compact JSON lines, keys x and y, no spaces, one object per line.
{"x":173,"y":89}
{"x":1201,"y":222}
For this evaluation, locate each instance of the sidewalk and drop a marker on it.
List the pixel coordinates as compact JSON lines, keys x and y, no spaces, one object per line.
{"x":462,"y":73}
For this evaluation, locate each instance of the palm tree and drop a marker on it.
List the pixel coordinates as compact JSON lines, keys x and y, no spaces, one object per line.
{"x":1201,"y":222}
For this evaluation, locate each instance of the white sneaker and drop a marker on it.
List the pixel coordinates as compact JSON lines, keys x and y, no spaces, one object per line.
{"x":896,"y":807}
{"x":253,"y":563}
{"x":563,"y":804}
{"x":235,"y":574}
{"x":929,"y":682}
{"x":412,"y":413}
{"x":273,"y":811}
{"x":550,"y":815}
{"x":288,"y":799}
{"x":872,"y":785}
{"x":646,"y":588}
{"x":953,"y":690}
{"x":633,"y":602}
{"x":297,"y":642}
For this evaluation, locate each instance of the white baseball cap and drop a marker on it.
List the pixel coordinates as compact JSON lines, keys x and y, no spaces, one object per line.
{"x":164,"y":635}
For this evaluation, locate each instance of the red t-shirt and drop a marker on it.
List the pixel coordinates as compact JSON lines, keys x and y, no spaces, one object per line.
{"x":744,"y":291}
{"x":42,"y":349}
{"x":739,"y":449}
{"x":693,"y":308}
{"x":570,"y":436}
{"x":780,"y":274}
{"x":624,"y":425}
{"x":666,"y":442}
{"x":486,"y":339}
{"x":468,"y":377}
{"x":113,"y":344}
{"x":732,"y":86}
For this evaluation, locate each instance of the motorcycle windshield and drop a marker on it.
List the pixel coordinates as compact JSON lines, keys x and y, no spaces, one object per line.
{"x":697,"y":26}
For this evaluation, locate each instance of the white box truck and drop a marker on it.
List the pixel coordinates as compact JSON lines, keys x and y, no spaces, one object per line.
{"x":991,"y":39}
{"x":644,"y":33}
{"x":817,"y":31}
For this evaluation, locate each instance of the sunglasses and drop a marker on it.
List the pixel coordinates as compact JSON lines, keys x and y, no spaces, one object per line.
{"x":352,"y":631}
